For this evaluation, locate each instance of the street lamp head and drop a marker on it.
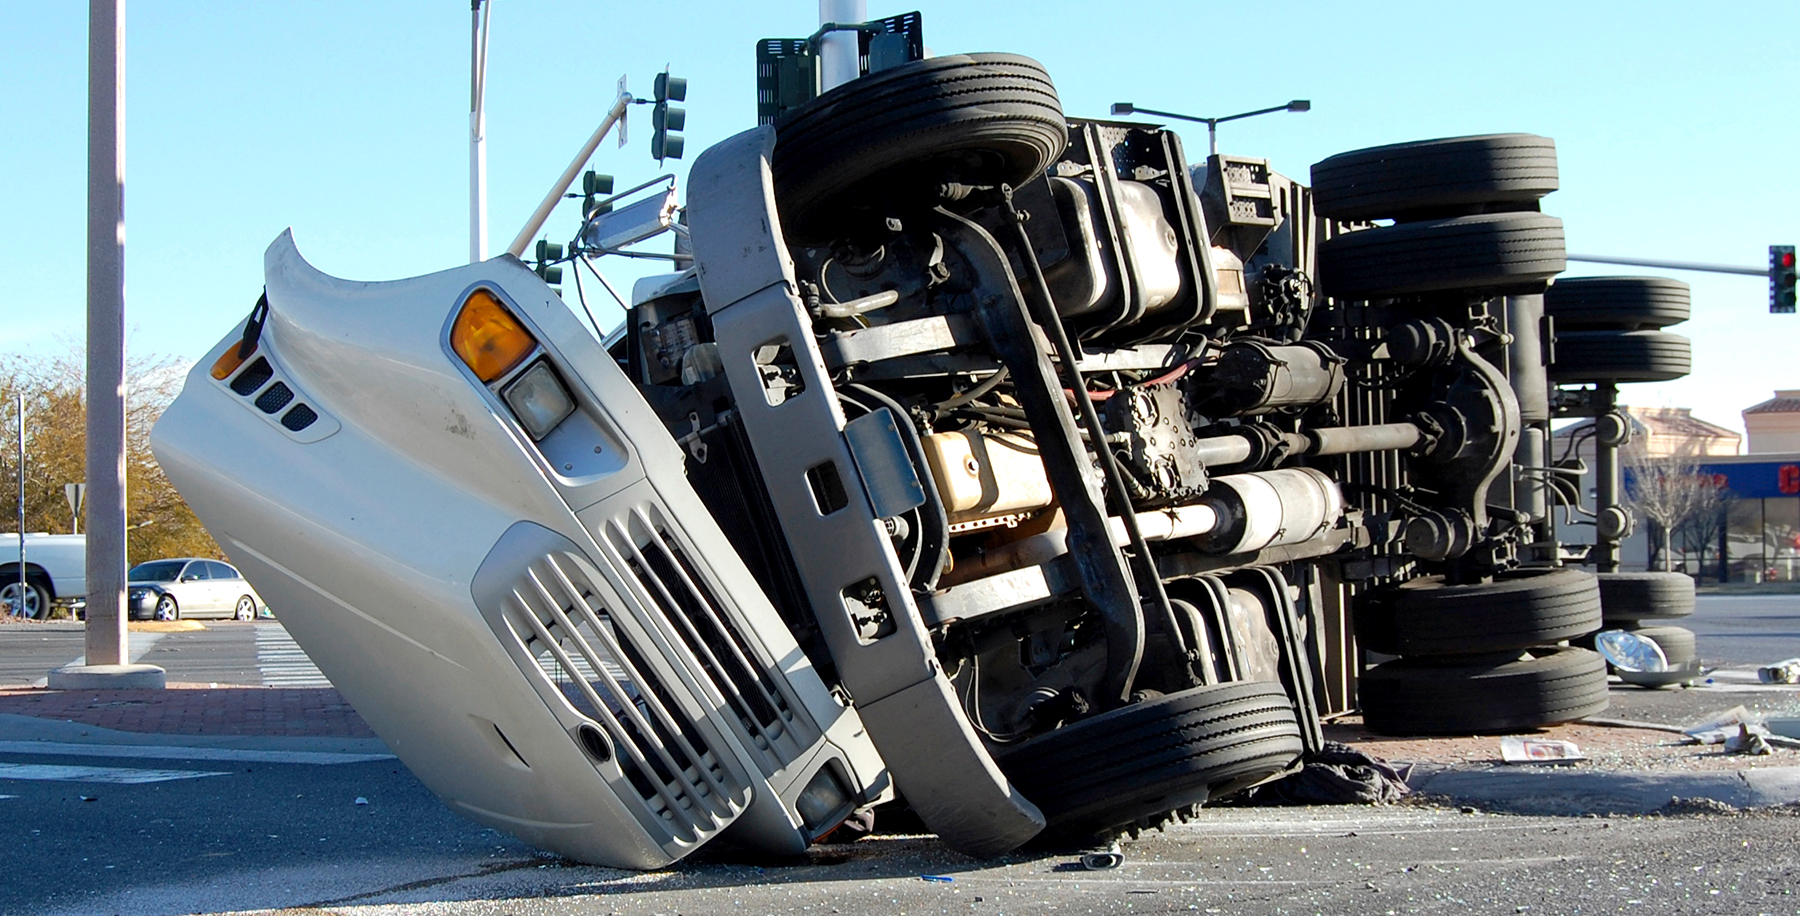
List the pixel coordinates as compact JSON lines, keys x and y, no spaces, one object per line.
{"x":1300,"y":105}
{"x":1120,"y":108}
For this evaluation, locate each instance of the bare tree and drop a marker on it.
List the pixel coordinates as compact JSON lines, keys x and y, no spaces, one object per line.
{"x":1673,"y":493}
{"x":160,"y":523}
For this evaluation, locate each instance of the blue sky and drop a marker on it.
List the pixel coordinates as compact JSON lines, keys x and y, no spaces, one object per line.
{"x":347,"y":121}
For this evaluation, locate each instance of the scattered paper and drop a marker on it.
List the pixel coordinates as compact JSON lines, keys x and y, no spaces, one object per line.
{"x":1539,"y":750}
{"x":1718,"y":728}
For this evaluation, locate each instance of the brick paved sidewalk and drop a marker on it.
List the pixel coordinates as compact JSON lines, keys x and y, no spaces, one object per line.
{"x":197,"y":709}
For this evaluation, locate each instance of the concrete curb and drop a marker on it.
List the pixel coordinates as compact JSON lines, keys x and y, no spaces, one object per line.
{"x":1574,"y":792}
{"x":107,"y":677}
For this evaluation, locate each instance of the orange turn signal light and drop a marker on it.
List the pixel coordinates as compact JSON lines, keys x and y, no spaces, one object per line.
{"x":488,"y":338}
{"x":229,"y":361}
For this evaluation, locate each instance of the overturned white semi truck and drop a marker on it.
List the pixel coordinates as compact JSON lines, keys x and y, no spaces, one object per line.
{"x":981,"y":458}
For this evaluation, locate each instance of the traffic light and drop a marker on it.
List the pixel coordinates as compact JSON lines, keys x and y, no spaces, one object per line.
{"x":593,"y":186}
{"x":665,"y":119}
{"x":1781,"y":278}
{"x":547,"y":252}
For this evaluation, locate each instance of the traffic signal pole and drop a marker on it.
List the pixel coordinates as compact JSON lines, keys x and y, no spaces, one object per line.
{"x":1780,"y":271}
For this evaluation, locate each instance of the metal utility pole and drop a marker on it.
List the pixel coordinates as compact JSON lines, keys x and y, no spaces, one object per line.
{"x":478,"y":35}
{"x":839,"y":52}
{"x":20,"y":601}
{"x":107,"y":662}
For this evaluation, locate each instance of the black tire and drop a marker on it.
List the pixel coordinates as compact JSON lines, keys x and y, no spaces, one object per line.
{"x":1454,"y":173}
{"x":32,"y":603}
{"x":1620,"y":356}
{"x":1494,"y":252}
{"x":972,"y":118}
{"x":1155,"y":756}
{"x":167,"y":608}
{"x":1626,"y":597}
{"x":1451,"y":696}
{"x":1677,"y":643}
{"x":1519,"y":609}
{"x":1617,"y":303}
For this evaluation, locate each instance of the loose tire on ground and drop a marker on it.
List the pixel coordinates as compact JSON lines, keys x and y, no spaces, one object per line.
{"x":1617,"y":303}
{"x":1150,"y":757}
{"x":1476,"y":695}
{"x":1494,"y":252}
{"x":1466,"y":173}
{"x":1620,"y":356}
{"x":1626,"y":597}
{"x":972,"y":118}
{"x":1517,"y":610}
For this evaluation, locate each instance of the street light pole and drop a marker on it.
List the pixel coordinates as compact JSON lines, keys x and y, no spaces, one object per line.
{"x":478,"y":33}
{"x":1212,"y":124}
{"x":107,"y":664}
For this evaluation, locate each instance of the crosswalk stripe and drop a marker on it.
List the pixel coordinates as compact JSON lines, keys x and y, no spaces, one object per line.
{"x":282,"y":662}
{"x":115,"y":775}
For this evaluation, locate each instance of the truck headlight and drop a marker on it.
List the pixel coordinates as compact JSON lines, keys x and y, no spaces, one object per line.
{"x":824,"y":802}
{"x":537,"y":397}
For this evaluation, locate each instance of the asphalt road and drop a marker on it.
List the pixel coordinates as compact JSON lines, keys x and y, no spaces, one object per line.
{"x":1745,"y":630}
{"x":272,"y":836}
{"x":259,"y":653}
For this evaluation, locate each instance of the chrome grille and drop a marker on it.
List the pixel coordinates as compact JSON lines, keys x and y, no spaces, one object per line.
{"x":669,"y":581}
{"x":683,"y":782}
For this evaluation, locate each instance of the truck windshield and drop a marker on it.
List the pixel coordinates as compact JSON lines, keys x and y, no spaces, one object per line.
{"x":158,"y":571}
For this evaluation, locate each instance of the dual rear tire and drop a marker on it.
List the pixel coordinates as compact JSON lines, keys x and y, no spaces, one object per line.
{"x":1465,"y":212}
{"x":1480,"y":657}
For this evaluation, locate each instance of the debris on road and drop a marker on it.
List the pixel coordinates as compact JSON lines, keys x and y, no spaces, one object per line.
{"x":1782,"y":672}
{"x":1539,"y":750}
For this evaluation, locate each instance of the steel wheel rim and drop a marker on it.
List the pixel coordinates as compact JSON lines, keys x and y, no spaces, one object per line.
{"x":21,"y":606}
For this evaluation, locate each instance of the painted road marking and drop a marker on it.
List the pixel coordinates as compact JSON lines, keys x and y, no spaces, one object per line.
{"x":136,"y":644}
{"x":163,"y":752}
{"x":115,"y":775}
{"x":282,"y":662}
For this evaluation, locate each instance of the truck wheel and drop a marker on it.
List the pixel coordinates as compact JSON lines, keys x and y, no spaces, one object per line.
{"x":1154,"y":756}
{"x":1627,"y":597}
{"x":1451,"y":176}
{"x":1519,"y":609}
{"x":1620,"y":356}
{"x":1473,"y":695}
{"x":1492,"y":252}
{"x":167,"y":609}
{"x":1617,"y":303}
{"x":977,"y":119}
{"x":30,"y":599}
